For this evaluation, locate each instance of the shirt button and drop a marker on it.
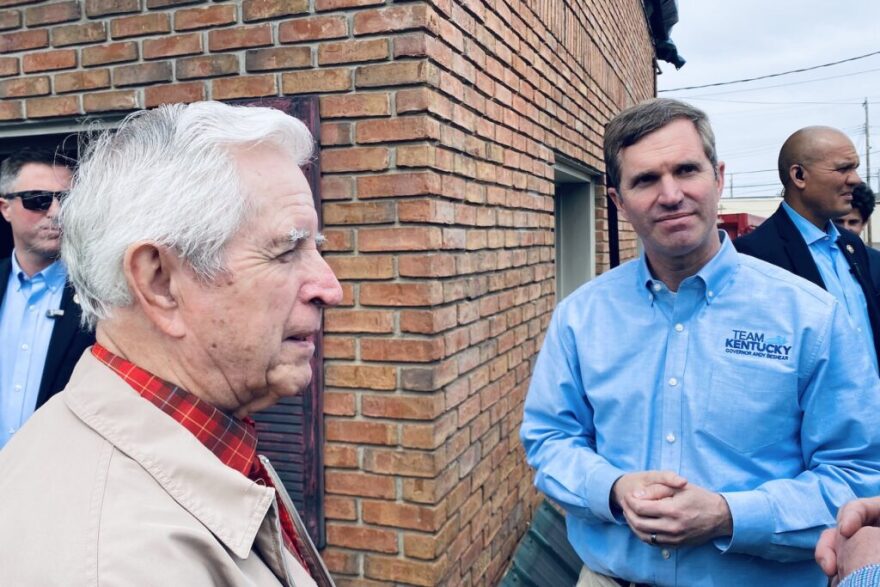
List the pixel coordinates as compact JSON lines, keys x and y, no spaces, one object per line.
{"x":670,"y":438}
{"x":679,"y":327}
{"x":666,"y":554}
{"x":32,"y":308}
{"x":710,"y":293}
{"x":657,"y":287}
{"x":24,"y":347}
{"x":11,"y":431}
{"x":859,"y":329}
{"x":18,"y":388}
{"x":673,"y":381}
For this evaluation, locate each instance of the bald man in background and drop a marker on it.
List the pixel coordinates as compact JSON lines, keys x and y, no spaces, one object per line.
{"x":817,"y":167}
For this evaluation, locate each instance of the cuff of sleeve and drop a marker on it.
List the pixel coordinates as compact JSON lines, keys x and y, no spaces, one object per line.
{"x":752,"y":519}
{"x":864,"y":577}
{"x":598,"y":491}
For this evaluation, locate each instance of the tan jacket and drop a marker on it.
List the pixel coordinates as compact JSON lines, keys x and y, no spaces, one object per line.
{"x":101,"y":488}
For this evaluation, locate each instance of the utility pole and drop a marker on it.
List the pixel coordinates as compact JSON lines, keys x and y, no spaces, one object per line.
{"x":867,"y":145}
{"x":730,"y":192}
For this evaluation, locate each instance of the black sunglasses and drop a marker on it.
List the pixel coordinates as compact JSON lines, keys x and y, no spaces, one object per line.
{"x":37,"y":200}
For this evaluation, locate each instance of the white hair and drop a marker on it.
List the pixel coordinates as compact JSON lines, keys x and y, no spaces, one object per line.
{"x":166,"y":176}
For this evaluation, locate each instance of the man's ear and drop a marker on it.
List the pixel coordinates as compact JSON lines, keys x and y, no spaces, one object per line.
{"x":4,"y":209}
{"x":152,"y":272}
{"x":796,"y":175}
{"x":618,"y":201}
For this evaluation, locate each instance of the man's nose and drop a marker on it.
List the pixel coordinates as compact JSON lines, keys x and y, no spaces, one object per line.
{"x":670,"y":191}
{"x":324,"y":289}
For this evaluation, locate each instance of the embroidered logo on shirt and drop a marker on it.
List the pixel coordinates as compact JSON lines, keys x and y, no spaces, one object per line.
{"x":757,"y":344}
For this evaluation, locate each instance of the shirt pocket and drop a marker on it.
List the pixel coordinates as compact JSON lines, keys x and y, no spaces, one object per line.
{"x":750,"y":408}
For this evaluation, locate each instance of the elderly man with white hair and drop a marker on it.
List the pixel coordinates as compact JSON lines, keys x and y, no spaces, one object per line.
{"x":191,"y":238}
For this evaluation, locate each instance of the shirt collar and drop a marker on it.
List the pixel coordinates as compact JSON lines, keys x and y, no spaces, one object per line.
{"x":810,"y":231}
{"x":233,"y":441}
{"x":713,"y":276}
{"x":55,"y":275}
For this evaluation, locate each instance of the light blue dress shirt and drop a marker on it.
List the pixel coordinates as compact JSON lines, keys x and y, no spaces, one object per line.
{"x":865,"y":577}
{"x":836,"y":274}
{"x":745,"y":382}
{"x":25,"y":331}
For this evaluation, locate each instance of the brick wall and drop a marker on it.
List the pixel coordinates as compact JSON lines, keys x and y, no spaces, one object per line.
{"x":440,"y":124}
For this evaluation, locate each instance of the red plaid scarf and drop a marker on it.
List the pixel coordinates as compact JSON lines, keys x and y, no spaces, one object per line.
{"x":233,"y":441}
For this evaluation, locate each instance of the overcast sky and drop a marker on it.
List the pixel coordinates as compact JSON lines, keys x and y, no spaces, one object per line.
{"x":724,"y":41}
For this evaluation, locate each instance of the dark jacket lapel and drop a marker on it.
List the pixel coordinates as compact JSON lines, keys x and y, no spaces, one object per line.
{"x":65,"y":328}
{"x":5,"y":270}
{"x":796,"y":248}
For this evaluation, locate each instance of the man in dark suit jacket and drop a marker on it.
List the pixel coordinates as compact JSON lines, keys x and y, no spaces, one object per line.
{"x":817,"y":167}
{"x":40,"y":334}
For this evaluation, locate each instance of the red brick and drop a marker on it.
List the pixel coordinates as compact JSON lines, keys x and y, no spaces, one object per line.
{"x":402,"y":407}
{"x":361,"y":432}
{"x":336,"y":134}
{"x":175,"y":93}
{"x":408,"y":128}
{"x":240,"y":37}
{"x":48,"y":61}
{"x":354,"y":159}
{"x":111,"y":53}
{"x":404,"y":350}
{"x":345,"y":320}
{"x":339,"y":347}
{"x":426,"y":265}
{"x":188,"y":44}
{"x":428,"y":321}
{"x":395,"y":19}
{"x":24,"y":40}
{"x":341,"y":562}
{"x":355,"y":105}
{"x":401,"y":462}
{"x":362,"y":267}
{"x":142,"y":73}
{"x":401,"y":294}
{"x":343,"y":456}
{"x":95,"y":8}
{"x":5,"y":3}
{"x":51,"y":107}
{"x":398,"y":570}
{"x":314,"y":28}
{"x":78,"y":34}
{"x":338,"y":404}
{"x":403,"y":515}
{"x":109,"y":101}
{"x":352,"y":51}
{"x":10,"y":110}
{"x":394,"y":74}
{"x":8,"y":66}
{"x":140,"y":25}
{"x":358,"y":212}
{"x":208,"y":66}
{"x":359,"y":484}
{"x":153,"y":4}
{"x":399,"y":239}
{"x":199,"y":18}
{"x":250,"y":86}
{"x":361,"y":377}
{"x":10,"y":19}
{"x":362,"y":538}
{"x":24,"y":86}
{"x":317,"y":81}
{"x":79,"y":81}
{"x":324,"y":5}
{"x":52,"y":13}
{"x":278,"y":58}
{"x":397,"y":184}
{"x":263,"y":9}
{"x":336,"y":187}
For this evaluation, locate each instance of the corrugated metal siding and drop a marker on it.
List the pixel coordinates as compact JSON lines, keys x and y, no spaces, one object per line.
{"x":544,"y":558}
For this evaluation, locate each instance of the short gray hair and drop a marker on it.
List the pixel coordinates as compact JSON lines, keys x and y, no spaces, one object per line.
{"x":166,"y":176}
{"x":634,"y":123}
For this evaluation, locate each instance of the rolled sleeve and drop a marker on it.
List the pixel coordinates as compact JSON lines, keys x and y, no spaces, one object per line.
{"x":752,"y":516}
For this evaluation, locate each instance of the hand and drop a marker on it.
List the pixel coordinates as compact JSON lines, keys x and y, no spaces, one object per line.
{"x":851,"y":517}
{"x":644,"y":485}
{"x":692,"y":515}
{"x":858,"y":551}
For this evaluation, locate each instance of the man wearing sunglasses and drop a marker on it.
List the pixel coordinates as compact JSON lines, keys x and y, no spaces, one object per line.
{"x":40,"y":336}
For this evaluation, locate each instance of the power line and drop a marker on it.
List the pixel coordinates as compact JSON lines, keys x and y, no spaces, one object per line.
{"x":783,"y":85}
{"x":751,"y":79}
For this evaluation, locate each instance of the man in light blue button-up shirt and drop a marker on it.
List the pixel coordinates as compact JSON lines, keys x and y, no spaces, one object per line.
{"x":36,"y":307}
{"x":699,"y":414}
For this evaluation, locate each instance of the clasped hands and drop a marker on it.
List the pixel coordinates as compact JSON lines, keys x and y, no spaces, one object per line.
{"x":666,"y":507}
{"x":854,"y":543}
